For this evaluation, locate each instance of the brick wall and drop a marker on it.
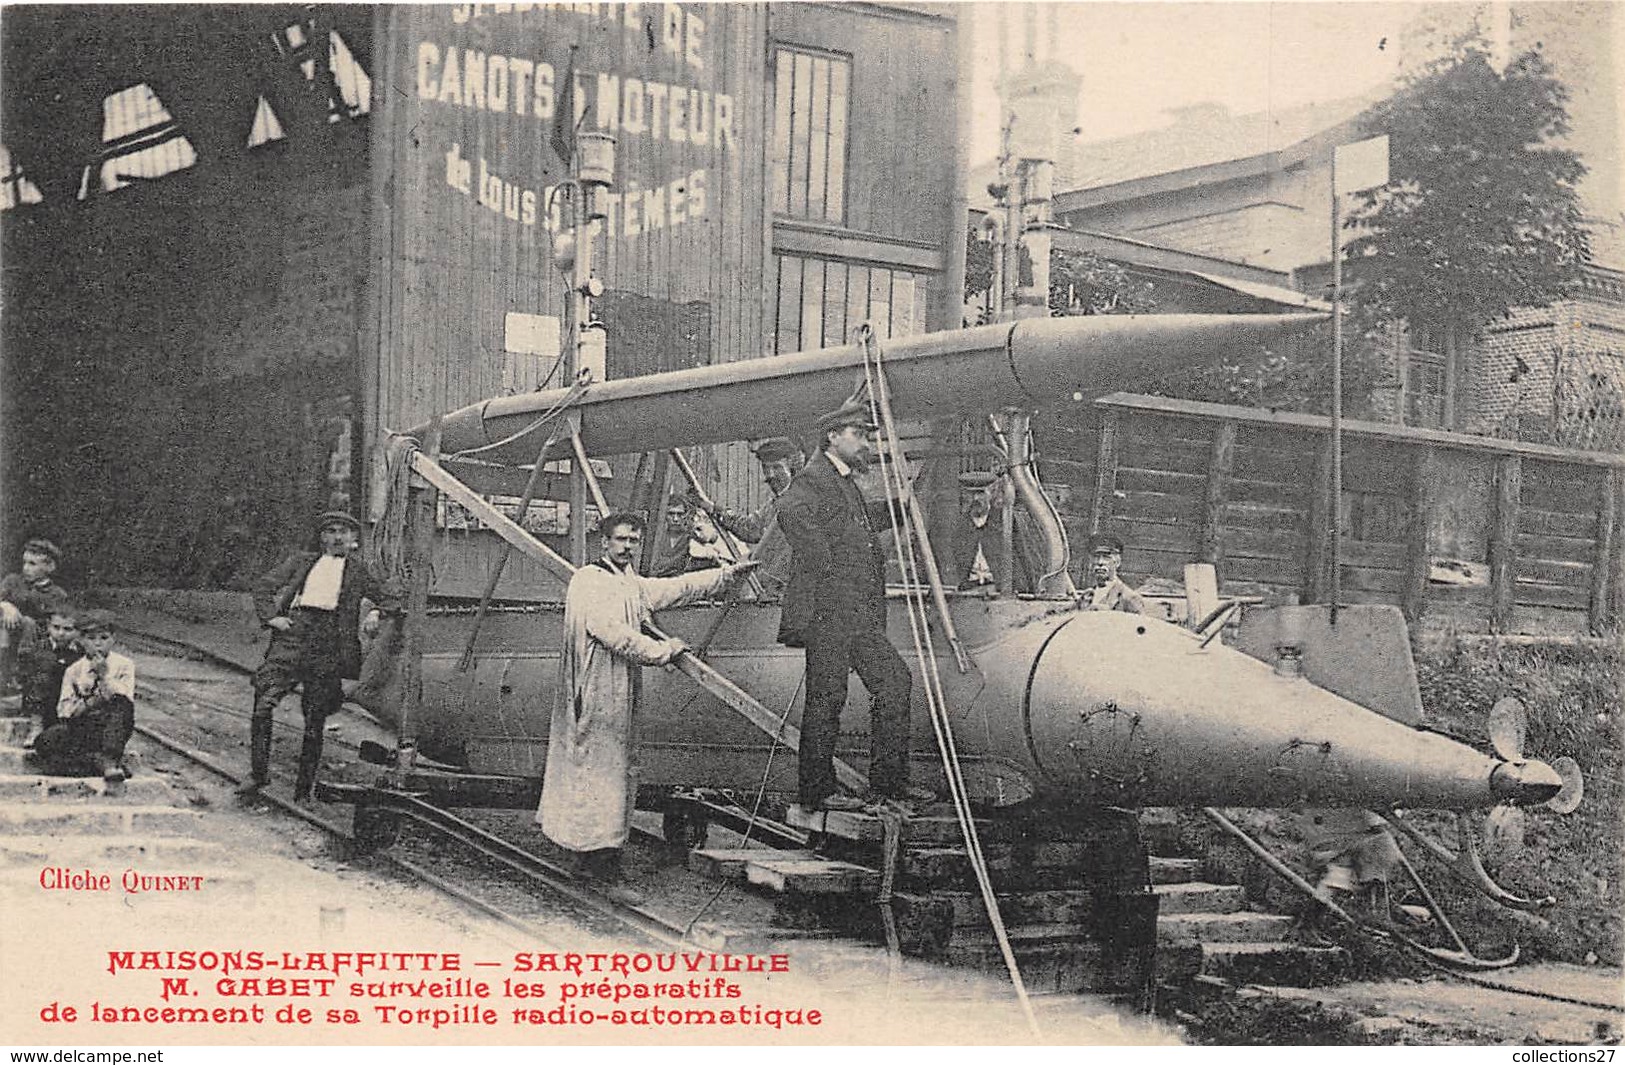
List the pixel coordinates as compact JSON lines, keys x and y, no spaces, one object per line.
{"x":1551,"y":374}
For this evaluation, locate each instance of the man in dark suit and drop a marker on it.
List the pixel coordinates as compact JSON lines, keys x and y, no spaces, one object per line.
{"x":312,"y":605}
{"x":835,"y":607}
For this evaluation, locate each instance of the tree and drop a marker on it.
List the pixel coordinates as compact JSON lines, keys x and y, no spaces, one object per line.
{"x":1481,"y":212}
{"x":1081,"y":282}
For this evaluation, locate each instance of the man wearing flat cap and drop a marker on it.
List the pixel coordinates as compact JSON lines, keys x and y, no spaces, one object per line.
{"x":835,"y":607}
{"x":780,"y":459}
{"x":312,"y":605}
{"x":980,"y":553}
{"x":1104,"y":589}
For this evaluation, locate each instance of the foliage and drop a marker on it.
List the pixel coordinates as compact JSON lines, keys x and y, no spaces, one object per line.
{"x":978,"y":265}
{"x":1081,"y":282}
{"x":1481,"y":212}
{"x":1575,"y":700}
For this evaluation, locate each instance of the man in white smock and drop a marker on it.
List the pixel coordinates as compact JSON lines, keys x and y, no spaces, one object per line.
{"x":589,"y":785}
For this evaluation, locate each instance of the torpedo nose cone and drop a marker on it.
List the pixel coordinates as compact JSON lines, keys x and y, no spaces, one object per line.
{"x":1525,"y":782}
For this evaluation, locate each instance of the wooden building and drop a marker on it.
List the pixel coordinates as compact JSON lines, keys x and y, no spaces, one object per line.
{"x":203,"y":359}
{"x":1466,"y":532}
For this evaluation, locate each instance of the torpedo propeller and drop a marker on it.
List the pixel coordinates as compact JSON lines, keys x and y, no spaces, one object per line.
{"x":1558,"y":786}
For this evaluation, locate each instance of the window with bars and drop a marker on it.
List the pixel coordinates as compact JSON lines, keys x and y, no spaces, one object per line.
{"x":811,"y":99}
{"x":822,"y":300}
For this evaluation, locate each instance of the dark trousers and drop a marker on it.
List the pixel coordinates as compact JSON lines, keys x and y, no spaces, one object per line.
{"x":831,"y":657}
{"x":90,"y":741}
{"x":41,"y":677}
{"x":15,"y":643}
{"x":306,"y":657}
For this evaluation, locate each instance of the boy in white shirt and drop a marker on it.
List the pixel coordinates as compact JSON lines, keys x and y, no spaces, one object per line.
{"x":96,"y":711}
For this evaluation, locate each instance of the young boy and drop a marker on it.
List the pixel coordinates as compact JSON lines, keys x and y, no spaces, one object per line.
{"x":42,"y":667}
{"x":26,"y":601}
{"x":96,"y":711}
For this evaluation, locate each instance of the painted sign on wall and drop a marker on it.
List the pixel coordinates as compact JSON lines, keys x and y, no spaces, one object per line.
{"x":477,"y":101}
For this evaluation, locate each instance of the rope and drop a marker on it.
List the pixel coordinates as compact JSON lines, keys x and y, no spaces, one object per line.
{"x":577,"y":389}
{"x":925,"y":651}
{"x":389,"y":545}
{"x":761,"y":793}
{"x":891,"y":828}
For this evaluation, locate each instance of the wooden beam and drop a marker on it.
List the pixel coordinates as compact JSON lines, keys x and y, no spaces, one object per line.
{"x":700,"y":672}
{"x":1603,"y":562}
{"x":1219,"y":462}
{"x":1418,"y":554}
{"x":1503,"y":545}
{"x":1322,"y":512}
{"x":1126,"y":401}
{"x":1100,"y":511}
{"x":500,"y":523}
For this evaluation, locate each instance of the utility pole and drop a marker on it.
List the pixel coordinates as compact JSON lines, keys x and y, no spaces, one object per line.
{"x":585,"y":343}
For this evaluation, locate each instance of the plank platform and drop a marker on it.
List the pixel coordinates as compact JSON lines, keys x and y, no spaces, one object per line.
{"x":728,"y":863}
{"x":862,"y":826}
{"x":819,"y":876}
{"x":785,"y":871}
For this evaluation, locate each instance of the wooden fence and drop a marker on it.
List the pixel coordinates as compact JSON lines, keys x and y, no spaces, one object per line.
{"x":1469,"y":532}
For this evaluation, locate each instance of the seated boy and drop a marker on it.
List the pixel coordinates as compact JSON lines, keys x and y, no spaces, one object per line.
{"x":96,"y":712}
{"x":26,"y":601}
{"x":41,"y":668}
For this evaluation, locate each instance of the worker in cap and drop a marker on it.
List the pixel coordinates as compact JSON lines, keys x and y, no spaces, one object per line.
{"x":978,"y":544}
{"x":1104,"y":589}
{"x":854,"y":412}
{"x":835,"y":608}
{"x":337,"y":519}
{"x":781,"y":459}
{"x":311,"y":603}
{"x":983,"y":558}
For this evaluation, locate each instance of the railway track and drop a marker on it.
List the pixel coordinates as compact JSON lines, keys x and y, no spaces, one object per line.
{"x":511,"y":883}
{"x":445,"y":853}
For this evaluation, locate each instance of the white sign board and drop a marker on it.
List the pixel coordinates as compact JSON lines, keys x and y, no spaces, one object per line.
{"x":1361,"y":165}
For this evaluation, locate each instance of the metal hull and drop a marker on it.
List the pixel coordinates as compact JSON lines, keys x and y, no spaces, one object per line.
{"x":1099,"y":708}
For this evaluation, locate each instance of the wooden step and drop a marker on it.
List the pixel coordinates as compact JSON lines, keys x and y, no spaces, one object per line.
{"x":16,"y":731}
{"x":1199,"y":897}
{"x":1224,"y":927}
{"x":1288,"y":964}
{"x":728,"y":863}
{"x":861,"y":826}
{"x":1175,"y":870}
{"x":107,"y":818}
{"x":157,"y":852}
{"x":816,"y":876}
{"x":785,"y":871}
{"x":145,"y":788}
{"x":1044,"y":906}
{"x":1051,"y":961}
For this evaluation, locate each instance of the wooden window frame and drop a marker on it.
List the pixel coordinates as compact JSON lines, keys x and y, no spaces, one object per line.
{"x":812,"y":110}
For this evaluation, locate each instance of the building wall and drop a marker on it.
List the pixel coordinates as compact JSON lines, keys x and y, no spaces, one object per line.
{"x":465,"y":177}
{"x":181,"y":364}
{"x":1464,"y":533}
{"x":1279,"y":220}
{"x":1555,"y":373}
